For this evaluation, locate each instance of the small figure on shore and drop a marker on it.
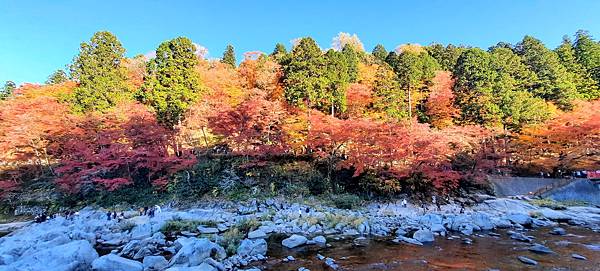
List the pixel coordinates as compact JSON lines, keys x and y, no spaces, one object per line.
{"x":114,"y":215}
{"x":121,"y":217}
{"x":146,"y":210}
{"x":437,"y":203}
{"x":151,"y":212}
{"x":404,"y":203}
{"x":108,"y":215}
{"x":157,"y":209}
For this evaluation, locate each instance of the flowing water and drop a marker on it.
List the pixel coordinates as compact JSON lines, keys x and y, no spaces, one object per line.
{"x":485,"y":253}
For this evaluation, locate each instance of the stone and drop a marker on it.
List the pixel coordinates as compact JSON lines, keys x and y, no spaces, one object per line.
{"x":407,"y":240}
{"x":360,"y":242}
{"x":75,"y":255}
{"x":201,"y":267}
{"x":526,"y":260}
{"x":257,"y":234}
{"x":141,"y":231}
{"x":541,"y":249}
{"x":520,"y":237}
{"x":423,"y":236}
{"x":578,"y":257}
{"x":207,"y":230}
{"x":194,"y":251}
{"x":252,"y":247}
{"x":521,"y":219}
{"x":294,"y":241}
{"x":554,"y":215}
{"x":482,"y":220}
{"x":154,"y":263}
{"x":112,"y":262}
{"x":558,"y":231}
{"x":319,"y":239}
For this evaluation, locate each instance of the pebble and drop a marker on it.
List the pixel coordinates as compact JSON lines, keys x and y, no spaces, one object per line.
{"x":526,"y":260}
{"x":578,"y":257}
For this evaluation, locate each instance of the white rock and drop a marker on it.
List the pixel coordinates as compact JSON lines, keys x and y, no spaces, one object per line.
{"x":294,"y":241}
{"x":257,"y":234}
{"x":252,"y":247}
{"x":154,"y":263}
{"x":76,"y":255}
{"x":113,"y":262}
{"x":423,"y":236}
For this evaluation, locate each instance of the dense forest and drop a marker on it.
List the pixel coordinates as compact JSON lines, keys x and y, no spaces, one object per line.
{"x":298,"y":121}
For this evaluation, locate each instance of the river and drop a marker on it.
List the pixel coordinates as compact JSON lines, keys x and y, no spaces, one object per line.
{"x":485,"y":253}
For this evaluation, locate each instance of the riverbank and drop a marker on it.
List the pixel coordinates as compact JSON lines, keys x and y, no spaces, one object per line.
{"x":231,"y":236}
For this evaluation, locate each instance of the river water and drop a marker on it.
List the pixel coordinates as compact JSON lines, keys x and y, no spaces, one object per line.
{"x":485,"y":253}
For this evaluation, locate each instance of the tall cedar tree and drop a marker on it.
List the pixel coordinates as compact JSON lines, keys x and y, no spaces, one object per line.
{"x":172,"y":85}
{"x":338,"y":77}
{"x":379,"y":52}
{"x":304,"y":78}
{"x":57,"y":77}
{"x":553,"y":82}
{"x":351,"y":55}
{"x":98,"y":71}
{"x":229,"y":56}
{"x":7,"y":89}
{"x":586,"y":85}
{"x":588,"y":54}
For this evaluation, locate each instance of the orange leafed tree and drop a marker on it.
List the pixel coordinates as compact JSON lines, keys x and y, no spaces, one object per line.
{"x":440,"y":104}
{"x":26,"y":122}
{"x":569,"y":141}
{"x":122,"y":147}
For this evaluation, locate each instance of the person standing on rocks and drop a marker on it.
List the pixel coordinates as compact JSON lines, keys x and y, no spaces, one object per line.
{"x":404,"y":203}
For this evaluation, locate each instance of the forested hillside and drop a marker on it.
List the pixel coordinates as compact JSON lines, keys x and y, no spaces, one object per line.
{"x":300,"y":120}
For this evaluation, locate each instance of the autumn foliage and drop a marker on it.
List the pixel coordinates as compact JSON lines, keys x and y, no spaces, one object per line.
{"x":384,"y":124}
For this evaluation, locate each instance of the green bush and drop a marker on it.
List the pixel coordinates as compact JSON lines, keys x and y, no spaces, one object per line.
{"x":346,"y":201}
{"x":549,"y":203}
{"x":231,"y":240}
{"x":179,"y":225}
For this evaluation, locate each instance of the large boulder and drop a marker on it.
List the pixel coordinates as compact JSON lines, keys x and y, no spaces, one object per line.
{"x":521,"y":219}
{"x":141,"y":231}
{"x":482,"y":220}
{"x":201,"y":267}
{"x":294,"y":241}
{"x":112,"y":262}
{"x":252,"y":247}
{"x":194,"y":251}
{"x":423,"y":236}
{"x":154,"y":263}
{"x":72,"y":256}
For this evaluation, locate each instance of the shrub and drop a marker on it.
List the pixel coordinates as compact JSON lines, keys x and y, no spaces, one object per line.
{"x":179,"y":225}
{"x":549,"y":203}
{"x":346,"y":201}
{"x":231,"y":240}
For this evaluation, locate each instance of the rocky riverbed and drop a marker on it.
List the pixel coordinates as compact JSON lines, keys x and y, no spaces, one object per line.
{"x":292,"y":236}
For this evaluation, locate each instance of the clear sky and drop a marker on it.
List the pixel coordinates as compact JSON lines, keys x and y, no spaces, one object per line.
{"x":38,"y":37}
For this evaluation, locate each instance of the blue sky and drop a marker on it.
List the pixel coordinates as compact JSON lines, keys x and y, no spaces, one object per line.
{"x":38,"y":37}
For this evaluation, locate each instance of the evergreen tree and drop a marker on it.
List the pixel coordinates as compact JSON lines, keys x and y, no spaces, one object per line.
{"x":379,"y":52}
{"x":304,"y":78}
{"x":337,"y":77}
{"x":98,"y":70}
{"x":229,"y":56}
{"x":389,"y":97}
{"x":588,"y":54}
{"x":351,"y":57}
{"x":172,"y":85}
{"x":414,"y":70}
{"x":279,"y":50}
{"x":474,"y":88}
{"x":586,"y":85}
{"x":554,"y":82}
{"x":445,"y":56}
{"x":7,"y":89}
{"x":57,"y":77}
